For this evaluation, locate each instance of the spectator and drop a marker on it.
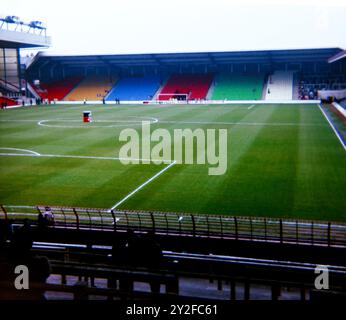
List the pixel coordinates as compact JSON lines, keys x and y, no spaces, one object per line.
{"x":48,"y":215}
{"x":22,"y":241}
{"x":40,"y":270}
{"x":42,"y":222}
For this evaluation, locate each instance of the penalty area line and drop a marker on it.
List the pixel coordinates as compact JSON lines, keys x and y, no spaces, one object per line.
{"x":29,"y":152}
{"x":38,"y":155}
{"x":142,"y":186}
{"x":253,"y":105}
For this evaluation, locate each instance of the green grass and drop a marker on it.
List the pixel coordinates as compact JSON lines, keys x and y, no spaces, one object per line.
{"x":283,"y":161}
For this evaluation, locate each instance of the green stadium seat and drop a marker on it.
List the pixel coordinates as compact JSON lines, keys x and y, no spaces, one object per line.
{"x":229,"y":86}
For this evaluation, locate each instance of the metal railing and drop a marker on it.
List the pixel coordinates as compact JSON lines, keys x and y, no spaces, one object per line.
{"x":194,"y":225}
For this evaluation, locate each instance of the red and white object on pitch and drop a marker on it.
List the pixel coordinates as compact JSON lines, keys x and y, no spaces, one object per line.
{"x":87,"y":116}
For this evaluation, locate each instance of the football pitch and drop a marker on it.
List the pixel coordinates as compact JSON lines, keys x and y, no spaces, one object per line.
{"x":282,"y":161}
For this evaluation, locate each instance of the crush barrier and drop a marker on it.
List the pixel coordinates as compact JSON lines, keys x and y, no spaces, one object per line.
{"x":170,"y":223}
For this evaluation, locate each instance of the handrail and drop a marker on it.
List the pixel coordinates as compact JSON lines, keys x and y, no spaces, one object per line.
{"x":196,"y":225}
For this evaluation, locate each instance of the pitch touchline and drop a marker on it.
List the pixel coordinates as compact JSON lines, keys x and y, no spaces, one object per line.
{"x":332,"y":126}
{"x":142,"y":185}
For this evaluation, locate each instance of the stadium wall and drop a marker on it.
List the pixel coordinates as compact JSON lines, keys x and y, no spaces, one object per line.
{"x":339,"y":110}
{"x":338,"y":94}
{"x":198,"y":102}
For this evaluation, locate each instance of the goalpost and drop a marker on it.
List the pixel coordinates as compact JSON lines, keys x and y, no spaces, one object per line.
{"x":172,"y":97}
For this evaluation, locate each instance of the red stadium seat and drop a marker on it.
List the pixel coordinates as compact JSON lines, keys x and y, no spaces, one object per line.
{"x":57,"y":89}
{"x":196,"y":86}
{"x":9,"y":102}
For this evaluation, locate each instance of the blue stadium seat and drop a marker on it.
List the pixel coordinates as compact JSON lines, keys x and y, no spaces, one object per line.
{"x":135,"y":88}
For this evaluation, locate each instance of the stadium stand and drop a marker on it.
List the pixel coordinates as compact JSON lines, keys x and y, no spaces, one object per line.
{"x":238,"y":87}
{"x":57,"y":89}
{"x":8,"y":87}
{"x":92,"y":88}
{"x":196,"y":86}
{"x":280,"y":86}
{"x":4,"y":101}
{"x":310,"y":84}
{"x":60,"y":254}
{"x":163,"y":83}
{"x":135,"y":88}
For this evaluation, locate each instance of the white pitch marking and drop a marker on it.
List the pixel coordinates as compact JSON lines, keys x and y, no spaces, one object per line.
{"x":123,"y":123}
{"x":25,"y":150}
{"x":253,"y":105}
{"x":18,"y":155}
{"x":332,"y":126}
{"x":244,"y":123}
{"x":139,"y":119}
{"x":142,"y":185}
{"x":17,"y":120}
{"x":179,"y":122}
{"x":80,"y":157}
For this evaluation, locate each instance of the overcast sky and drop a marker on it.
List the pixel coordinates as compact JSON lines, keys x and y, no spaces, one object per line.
{"x":154,"y":26}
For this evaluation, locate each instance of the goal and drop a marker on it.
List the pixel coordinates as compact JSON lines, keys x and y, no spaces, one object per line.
{"x":173,"y":97}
